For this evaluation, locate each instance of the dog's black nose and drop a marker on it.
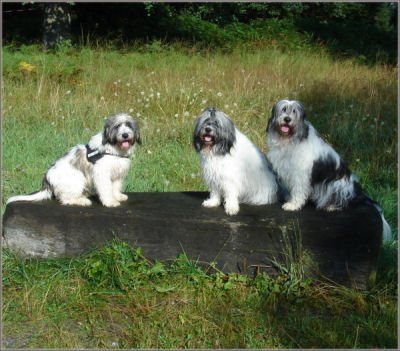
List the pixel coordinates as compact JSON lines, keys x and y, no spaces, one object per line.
{"x":207,"y":129}
{"x":287,"y":119}
{"x":125,"y":135}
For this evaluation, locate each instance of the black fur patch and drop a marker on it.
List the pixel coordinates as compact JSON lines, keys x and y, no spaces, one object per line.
{"x":324,"y":170}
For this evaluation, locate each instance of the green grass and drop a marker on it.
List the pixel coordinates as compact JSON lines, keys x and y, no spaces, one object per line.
{"x":121,"y":298}
{"x":116,"y":298}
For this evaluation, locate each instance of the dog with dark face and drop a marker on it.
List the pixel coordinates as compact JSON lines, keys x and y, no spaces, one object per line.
{"x":232,"y":166}
{"x":309,"y":167}
{"x":102,"y":164}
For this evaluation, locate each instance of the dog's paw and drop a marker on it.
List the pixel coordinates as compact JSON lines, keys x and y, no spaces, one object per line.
{"x":332,"y":208}
{"x":231,"y":209}
{"x":290,"y":206}
{"x":121,"y":197}
{"x":211,"y":203}
{"x":81,"y":201}
{"x":113,"y":203}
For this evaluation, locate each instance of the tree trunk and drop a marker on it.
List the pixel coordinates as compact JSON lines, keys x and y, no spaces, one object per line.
{"x":56,"y":24}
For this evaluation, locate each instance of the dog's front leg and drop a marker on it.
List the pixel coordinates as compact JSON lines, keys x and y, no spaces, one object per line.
{"x":214,"y":200}
{"x":117,"y":187}
{"x":104,"y":187}
{"x":298,"y":198}
{"x":231,"y":202}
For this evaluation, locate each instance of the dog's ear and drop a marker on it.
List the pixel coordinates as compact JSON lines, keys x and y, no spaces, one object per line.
{"x":302,"y":128}
{"x":106,"y":135}
{"x":226,"y":134}
{"x":197,"y":142}
{"x":137,"y":137}
{"x":196,"y":133}
{"x":107,"y":131}
{"x":272,"y":118}
{"x":302,"y":110}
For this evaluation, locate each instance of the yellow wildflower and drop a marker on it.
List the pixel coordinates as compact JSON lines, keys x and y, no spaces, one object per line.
{"x":25,"y":67}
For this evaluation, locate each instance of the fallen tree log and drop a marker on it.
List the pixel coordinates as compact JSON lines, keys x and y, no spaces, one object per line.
{"x":342,"y":246}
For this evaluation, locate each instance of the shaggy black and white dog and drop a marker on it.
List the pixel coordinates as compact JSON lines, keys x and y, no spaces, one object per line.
{"x":102,"y":164}
{"x":310,"y":168}
{"x":232,"y":167}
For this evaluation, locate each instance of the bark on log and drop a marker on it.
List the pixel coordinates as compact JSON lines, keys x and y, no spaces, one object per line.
{"x":344,"y":246}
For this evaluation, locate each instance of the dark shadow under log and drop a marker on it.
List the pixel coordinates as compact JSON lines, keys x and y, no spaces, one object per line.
{"x":344,"y":246}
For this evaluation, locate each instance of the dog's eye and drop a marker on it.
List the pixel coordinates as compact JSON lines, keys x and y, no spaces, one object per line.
{"x":284,"y":109}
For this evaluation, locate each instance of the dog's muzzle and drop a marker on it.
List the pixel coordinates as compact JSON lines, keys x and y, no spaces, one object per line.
{"x":126,"y":142}
{"x":207,"y":136}
{"x":285,"y":128}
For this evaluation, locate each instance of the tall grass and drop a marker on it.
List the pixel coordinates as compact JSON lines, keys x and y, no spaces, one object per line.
{"x":64,"y":99}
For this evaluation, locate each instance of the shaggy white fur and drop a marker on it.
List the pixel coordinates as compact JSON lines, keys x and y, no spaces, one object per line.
{"x":102,"y":164}
{"x":232,"y":166}
{"x":310,"y":168}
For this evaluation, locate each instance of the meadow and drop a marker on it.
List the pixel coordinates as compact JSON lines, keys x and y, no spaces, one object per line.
{"x":114,"y":297}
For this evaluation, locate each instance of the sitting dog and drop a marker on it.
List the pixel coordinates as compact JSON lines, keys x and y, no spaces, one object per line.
{"x":310,"y":168}
{"x":232,"y":167}
{"x":103,"y":164}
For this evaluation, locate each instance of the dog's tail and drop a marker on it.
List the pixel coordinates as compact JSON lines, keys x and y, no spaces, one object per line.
{"x":43,"y":194}
{"x":386,"y":230}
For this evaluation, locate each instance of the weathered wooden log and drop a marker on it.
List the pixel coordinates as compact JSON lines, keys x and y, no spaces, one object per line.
{"x":344,"y":246}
